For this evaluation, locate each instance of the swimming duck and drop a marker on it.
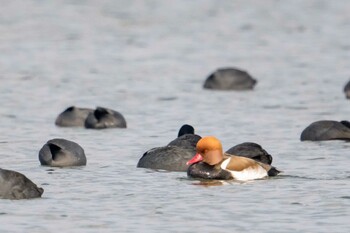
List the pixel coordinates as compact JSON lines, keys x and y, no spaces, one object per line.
{"x":229,"y":79}
{"x":174,"y":156}
{"x":14,"y":185}
{"x":103,"y":118}
{"x":60,"y":152}
{"x":211,"y":163}
{"x":326,"y":130}
{"x":73,"y":117}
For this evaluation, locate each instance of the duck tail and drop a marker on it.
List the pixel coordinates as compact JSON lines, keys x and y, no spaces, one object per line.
{"x":273,"y":171}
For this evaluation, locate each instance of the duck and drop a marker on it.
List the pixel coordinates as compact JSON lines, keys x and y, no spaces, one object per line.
{"x":174,"y":155}
{"x":326,"y":130}
{"x":59,"y":152}
{"x":229,"y":79}
{"x":73,"y":117}
{"x":15,"y":186}
{"x":210,"y":162}
{"x":102,"y":118}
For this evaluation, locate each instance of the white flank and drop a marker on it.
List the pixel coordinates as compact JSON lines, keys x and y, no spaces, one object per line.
{"x":246,"y":174}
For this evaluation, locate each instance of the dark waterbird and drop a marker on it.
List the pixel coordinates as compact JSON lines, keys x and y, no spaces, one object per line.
{"x":73,"y":117}
{"x":103,"y":118}
{"x":251,"y":150}
{"x":326,"y":130}
{"x":186,"y":138}
{"x":230,"y":79}
{"x":185,"y":129}
{"x":14,"y":185}
{"x":99,"y":118}
{"x":174,"y":156}
{"x":62,"y":153}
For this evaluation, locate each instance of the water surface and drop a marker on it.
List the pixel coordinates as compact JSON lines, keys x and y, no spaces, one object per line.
{"x":149,"y":60}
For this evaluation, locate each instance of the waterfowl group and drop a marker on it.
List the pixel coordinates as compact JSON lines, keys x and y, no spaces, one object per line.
{"x":175,"y":156}
{"x":201,"y":158}
{"x":55,"y":153}
{"x":99,"y":118}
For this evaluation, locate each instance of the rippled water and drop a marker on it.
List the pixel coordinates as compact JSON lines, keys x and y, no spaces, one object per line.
{"x":149,"y":60}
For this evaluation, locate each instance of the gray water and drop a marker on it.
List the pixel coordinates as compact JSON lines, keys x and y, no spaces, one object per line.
{"x":148,"y":60}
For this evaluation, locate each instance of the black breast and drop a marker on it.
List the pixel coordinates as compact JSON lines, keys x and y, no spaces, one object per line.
{"x":206,"y":171}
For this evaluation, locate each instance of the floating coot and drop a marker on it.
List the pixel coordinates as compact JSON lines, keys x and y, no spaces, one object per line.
{"x":73,"y":117}
{"x":14,"y":185}
{"x":230,"y":79}
{"x":251,"y":150}
{"x":62,"y":153}
{"x":103,"y":118}
{"x":174,"y":156}
{"x":326,"y":130}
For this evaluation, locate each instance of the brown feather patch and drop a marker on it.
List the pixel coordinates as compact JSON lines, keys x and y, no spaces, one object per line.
{"x":238,"y":163}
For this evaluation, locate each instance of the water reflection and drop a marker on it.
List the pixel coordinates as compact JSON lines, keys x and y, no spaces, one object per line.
{"x":209,"y":183}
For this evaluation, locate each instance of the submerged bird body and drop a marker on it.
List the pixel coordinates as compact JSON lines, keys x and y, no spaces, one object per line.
{"x":169,"y":158}
{"x":14,"y":185}
{"x":73,"y":117}
{"x":62,"y":153}
{"x":230,"y":79}
{"x":174,"y":156}
{"x":251,"y":150}
{"x":326,"y":130}
{"x":103,"y":118}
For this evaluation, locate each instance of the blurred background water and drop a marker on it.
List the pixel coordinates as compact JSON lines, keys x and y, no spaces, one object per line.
{"x":148,"y":60}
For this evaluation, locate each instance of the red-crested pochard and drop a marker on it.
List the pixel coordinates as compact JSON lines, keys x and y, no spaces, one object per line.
{"x":211,"y":163}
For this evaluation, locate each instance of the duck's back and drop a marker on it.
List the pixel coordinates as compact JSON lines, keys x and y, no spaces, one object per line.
{"x":325,"y":130}
{"x":251,"y":150}
{"x":14,"y":185}
{"x":186,"y":141}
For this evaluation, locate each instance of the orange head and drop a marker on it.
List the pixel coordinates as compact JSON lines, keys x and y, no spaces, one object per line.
{"x":209,"y":150}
